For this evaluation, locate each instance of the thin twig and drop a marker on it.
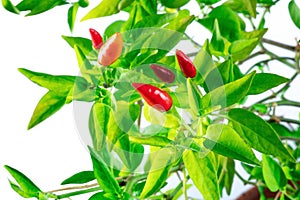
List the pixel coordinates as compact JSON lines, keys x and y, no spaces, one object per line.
{"x":279,"y":44}
{"x":74,"y":188}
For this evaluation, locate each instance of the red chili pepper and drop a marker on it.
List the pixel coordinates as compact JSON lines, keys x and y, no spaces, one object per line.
{"x":97,"y":40}
{"x":111,"y":50}
{"x":186,"y":65}
{"x":155,"y":97}
{"x":163,"y":73}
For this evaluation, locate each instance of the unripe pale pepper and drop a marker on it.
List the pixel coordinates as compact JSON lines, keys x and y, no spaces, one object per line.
{"x":111,"y":50}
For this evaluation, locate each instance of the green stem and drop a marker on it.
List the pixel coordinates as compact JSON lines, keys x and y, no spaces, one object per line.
{"x":278,"y":44}
{"x":244,"y":180}
{"x":63,"y":196}
{"x":192,"y":40}
{"x":184,"y":188}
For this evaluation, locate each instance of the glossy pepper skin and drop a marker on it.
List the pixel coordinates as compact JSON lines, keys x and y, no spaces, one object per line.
{"x":163,"y":73}
{"x":111,"y":50}
{"x":155,"y":97}
{"x":186,"y":65}
{"x":97,"y":40}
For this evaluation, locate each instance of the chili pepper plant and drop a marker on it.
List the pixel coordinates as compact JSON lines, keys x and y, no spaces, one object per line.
{"x":159,"y":109}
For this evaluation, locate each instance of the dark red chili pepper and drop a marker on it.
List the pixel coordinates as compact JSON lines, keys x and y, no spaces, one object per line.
{"x":97,"y":40}
{"x":163,"y":73}
{"x":111,"y":50}
{"x":186,"y":65}
{"x":155,"y":97}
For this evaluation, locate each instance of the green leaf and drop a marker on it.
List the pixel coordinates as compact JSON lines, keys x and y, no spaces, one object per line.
{"x":80,"y":178}
{"x":203,"y":173}
{"x":218,"y":45}
{"x":72,"y":12}
{"x":241,"y":49}
{"x":222,"y":139}
{"x":98,"y":124}
{"x":102,"y":196}
{"x":204,"y":63}
{"x":103,"y":175}
{"x":258,"y":133}
{"x":105,"y":8}
{"x":159,"y":171}
{"x":232,"y":25}
{"x":229,"y":176}
{"x":157,"y":141}
{"x":208,"y":2}
{"x":294,"y":13}
{"x":124,"y":4}
{"x":273,"y":174}
{"x":228,"y":94}
{"x":49,"y":104}
{"x":37,"y":6}
{"x":10,"y":7}
{"x":85,"y":66}
{"x":243,"y":6}
{"x":167,"y":120}
{"x":150,"y":6}
{"x":194,"y":97}
{"x":283,"y":131}
{"x":27,"y":187}
{"x":220,"y":75}
{"x":174,"y":3}
{"x":83,"y":43}
{"x":264,"y":81}
{"x":61,"y":85}
{"x":113,"y":28}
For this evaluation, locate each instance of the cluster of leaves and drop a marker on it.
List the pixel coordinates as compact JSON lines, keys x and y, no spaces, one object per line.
{"x":219,"y":131}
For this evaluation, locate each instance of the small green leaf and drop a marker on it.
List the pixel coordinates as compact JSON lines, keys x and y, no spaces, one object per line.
{"x":80,"y":178}
{"x":10,"y":7}
{"x":83,"y":43}
{"x":157,"y":141}
{"x":258,"y":133}
{"x":102,"y":196}
{"x":174,"y":3}
{"x":49,"y":104}
{"x":72,"y":12}
{"x":194,"y":97}
{"x":208,"y":2}
{"x":58,"y":84}
{"x":159,"y":171}
{"x":229,"y":176}
{"x":222,"y":139}
{"x":294,"y":13}
{"x":232,"y":25}
{"x":85,"y":66}
{"x":105,"y":8}
{"x":265,"y":81}
{"x":103,"y":175}
{"x":241,"y":49}
{"x":273,"y":174}
{"x":27,"y":187}
{"x":98,"y":124}
{"x":113,"y":28}
{"x":243,"y":6}
{"x":218,"y":45}
{"x":150,"y":6}
{"x":228,"y":94}
{"x":203,"y":173}
{"x":37,"y":6}
{"x":124,"y":4}
{"x":167,"y":120}
{"x":204,"y":63}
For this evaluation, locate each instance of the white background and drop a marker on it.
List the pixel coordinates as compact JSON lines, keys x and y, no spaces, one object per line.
{"x":52,"y":151}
